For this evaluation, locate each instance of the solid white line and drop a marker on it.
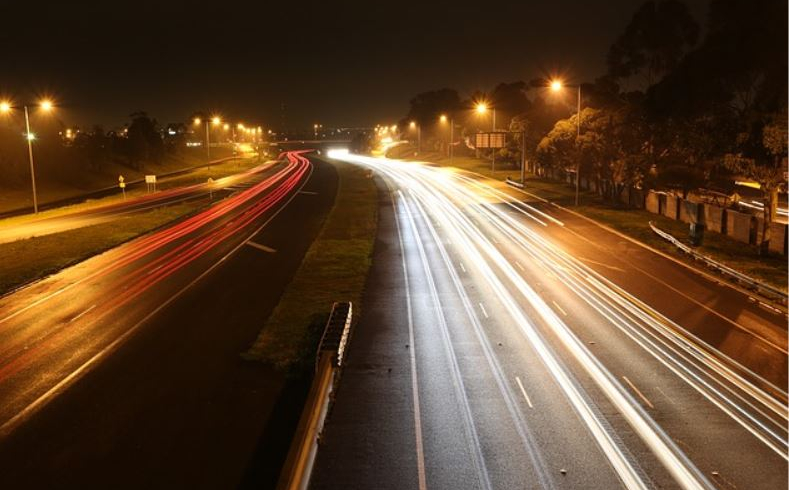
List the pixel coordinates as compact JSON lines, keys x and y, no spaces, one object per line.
{"x":461,"y":266}
{"x":39,"y":402}
{"x":82,"y":314}
{"x":420,"y":453}
{"x":309,"y":193}
{"x":482,"y":307}
{"x":260,"y":247}
{"x":523,"y":390}
{"x":520,"y":266}
{"x":638,"y":392}
{"x":559,"y":308}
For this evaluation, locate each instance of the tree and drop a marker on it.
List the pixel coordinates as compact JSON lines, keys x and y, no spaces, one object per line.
{"x":654,"y":41}
{"x":428,"y":106}
{"x":145,"y":141}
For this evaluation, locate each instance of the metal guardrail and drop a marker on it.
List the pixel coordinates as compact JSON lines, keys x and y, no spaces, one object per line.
{"x":515,"y":183}
{"x":748,"y":282}
{"x":297,"y":470}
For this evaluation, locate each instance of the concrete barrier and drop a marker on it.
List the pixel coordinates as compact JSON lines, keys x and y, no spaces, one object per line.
{"x":671,"y":210}
{"x":740,"y":226}
{"x":653,"y":202}
{"x":715,"y":218}
{"x":778,"y":238}
{"x":690,"y":212}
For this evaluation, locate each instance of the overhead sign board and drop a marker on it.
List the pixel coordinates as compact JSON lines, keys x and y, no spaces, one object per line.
{"x":496,"y":139}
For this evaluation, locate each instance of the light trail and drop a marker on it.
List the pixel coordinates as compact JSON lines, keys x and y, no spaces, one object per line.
{"x":453,"y":199}
{"x":150,"y":260}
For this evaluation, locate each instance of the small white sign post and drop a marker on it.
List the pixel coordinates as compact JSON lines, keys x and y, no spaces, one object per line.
{"x":210,"y":188}
{"x":122,"y":185}
{"x":150,"y":182}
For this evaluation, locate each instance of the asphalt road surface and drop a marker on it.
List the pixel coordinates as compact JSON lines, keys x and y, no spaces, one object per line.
{"x":125,"y":371}
{"x":510,"y":344}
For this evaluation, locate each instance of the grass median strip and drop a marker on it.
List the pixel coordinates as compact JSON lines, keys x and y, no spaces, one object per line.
{"x":33,"y":258}
{"x":334,"y":268}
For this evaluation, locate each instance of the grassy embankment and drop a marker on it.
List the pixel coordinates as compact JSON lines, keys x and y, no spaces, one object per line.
{"x":334,"y":268}
{"x":50,"y":190}
{"x":34,"y":258}
{"x":633,"y":222}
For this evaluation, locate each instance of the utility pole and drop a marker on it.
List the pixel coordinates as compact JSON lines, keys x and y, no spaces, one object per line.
{"x":451,"y":138}
{"x":30,"y":155}
{"x":493,"y":162}
{"x":523,"y":157}
{"x":578,"y":148}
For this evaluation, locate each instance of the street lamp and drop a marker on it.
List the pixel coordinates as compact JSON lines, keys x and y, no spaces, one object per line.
{"x":443,"y":120}
{"x":418,"y":128}
{"x":556,"y":86}
{"x":46,"y":106}
{"x":482,"y":108}
{"x":216,"y":121}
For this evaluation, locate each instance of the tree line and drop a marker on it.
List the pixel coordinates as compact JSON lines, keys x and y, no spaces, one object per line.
{"x":62,"y":155}
{"x":674,"y":110}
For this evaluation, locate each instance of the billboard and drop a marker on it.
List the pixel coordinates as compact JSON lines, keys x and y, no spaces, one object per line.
{"x":496,"y":139}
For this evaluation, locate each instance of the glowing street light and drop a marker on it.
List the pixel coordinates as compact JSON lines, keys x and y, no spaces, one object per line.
{"x":216,"y":120}
{"x":197,"y":121}
{"x":443,"y":118}
{"x":482,"y":108}
{"x":45,"y":105}
{"x":557,"y":85}
{"x":413,"y":125}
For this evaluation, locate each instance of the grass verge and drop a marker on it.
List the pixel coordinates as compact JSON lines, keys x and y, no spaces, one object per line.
{"x":635,"y":222}
{"x":37,"y":257}
{"x":197,"y":176}
{"x":334,"y":268}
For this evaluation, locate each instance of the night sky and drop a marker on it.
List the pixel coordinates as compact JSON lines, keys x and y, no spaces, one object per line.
{"x":338,"y":63}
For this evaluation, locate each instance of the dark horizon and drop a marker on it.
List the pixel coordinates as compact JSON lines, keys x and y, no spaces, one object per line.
{"x":326,"y":64}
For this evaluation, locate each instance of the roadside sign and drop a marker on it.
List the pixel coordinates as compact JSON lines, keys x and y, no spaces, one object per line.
{"x":120,"y":178}
{"x":150,"y":182}
{"x":122,"y":185}
{"x":495,"y":139}
{"x":210,"y":189}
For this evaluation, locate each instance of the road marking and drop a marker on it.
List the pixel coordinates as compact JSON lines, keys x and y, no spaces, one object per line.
{"x":260,"y":247}
{"x":308,"y":193}
{"x":559,"y":308}
{"x":520,"y":266}
{"x":420,"y":452}
{"x":461,"y":266}
{"x":42,"y":400}
{"x":482,"y":307}
{"x":612,"y":267}
{"x":523,"y":390}
{"x":82,"y":314}
{"x":641,"y":395}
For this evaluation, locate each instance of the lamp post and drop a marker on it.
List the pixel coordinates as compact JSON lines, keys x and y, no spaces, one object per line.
{"x":557,"y":85}
{"x":482,"y":108}
{"x":418,"y":128}
{"x":443,"y":118}
{"x":46,"y":106}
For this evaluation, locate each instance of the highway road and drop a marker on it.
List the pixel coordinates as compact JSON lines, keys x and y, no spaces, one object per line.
{"x":507,"y":343}
{"x":124,"y":371}
{"x":220,"y":188}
